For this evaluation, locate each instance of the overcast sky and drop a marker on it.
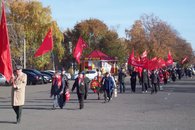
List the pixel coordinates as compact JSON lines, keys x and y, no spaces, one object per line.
{"x":121,"y":14}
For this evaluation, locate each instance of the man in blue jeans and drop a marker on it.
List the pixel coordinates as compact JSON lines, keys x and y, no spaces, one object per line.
{"x":121,"y":80}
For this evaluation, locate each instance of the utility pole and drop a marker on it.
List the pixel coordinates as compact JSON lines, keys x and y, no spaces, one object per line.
{"x":24,"y":54}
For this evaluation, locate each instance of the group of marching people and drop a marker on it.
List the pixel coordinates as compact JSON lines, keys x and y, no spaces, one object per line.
{"x":106,"y":84}
{"x":154,"y":78}
{"x":148,"y":79}
{"x":60,"y":87}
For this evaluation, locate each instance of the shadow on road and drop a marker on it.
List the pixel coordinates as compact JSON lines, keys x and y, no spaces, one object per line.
{"x":71,"y":109}
{"x":7,"y":122}
{"x":179,"y":89}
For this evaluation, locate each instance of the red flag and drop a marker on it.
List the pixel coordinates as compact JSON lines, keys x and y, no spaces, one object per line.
{"x":152,"y":63}
{"x":131,"y":58}
{"x":5,"y":56}
{"x":184,"y":60}
{"x":144,"y":60}
{"x":139,"y":70}
{"x":81,"y":44}
{"x":144,"y":54}
{"x":169,"y":59}
{"x":47,"y":44}
{"x":161,"y":63}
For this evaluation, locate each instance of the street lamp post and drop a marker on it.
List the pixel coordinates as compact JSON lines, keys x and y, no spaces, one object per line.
{"x":24,"y":55}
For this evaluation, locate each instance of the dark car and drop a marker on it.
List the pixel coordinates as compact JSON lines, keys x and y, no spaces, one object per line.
{"x":48,"y":73}
{"x":32,"y":78}
{"x":38,"y":73}
{"x":47,"y":77}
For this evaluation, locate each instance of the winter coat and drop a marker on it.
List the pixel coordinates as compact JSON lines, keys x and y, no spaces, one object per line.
{"x":133,"y":76}
{"x":121,"y":77}
{"x":18,"y":93}
{"x":87,"y":81}
{"x":107,"y":83}
{"x":56,"y":87}
{"x":79,"y":86}
{"x":145,"y":78}
{"x":154,"y":78}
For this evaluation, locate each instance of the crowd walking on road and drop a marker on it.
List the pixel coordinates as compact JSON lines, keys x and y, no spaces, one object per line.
{"x":104,"y":85}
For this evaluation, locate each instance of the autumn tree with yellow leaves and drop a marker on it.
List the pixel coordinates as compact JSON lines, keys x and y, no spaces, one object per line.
{"x":30,"y":21}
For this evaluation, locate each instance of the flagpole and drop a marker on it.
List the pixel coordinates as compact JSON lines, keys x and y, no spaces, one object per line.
{"x":53,"y":62}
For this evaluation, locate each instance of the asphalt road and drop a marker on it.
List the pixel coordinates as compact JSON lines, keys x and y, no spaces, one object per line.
{"x":170,"y":109}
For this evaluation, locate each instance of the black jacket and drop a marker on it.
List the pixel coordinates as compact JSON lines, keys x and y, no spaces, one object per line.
{"x":79,"y":86}
{"x":154,"y":78}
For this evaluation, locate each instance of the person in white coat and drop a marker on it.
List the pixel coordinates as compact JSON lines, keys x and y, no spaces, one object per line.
{"x":19,"y":82}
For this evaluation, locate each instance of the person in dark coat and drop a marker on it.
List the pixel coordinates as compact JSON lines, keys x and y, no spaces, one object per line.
{"x":87,"y":81}
{"x":165,"y":76}
{"x":154,"y":80}
{"x":79,"y":84}
{"x":173,"y":75}
{"x":114,"y":85}
{"x":179,"y":72}
{"x":56,"y":89}
{"x":145,"y":80}
{"x":133,"y":75}
{"x":107,"y":84}
{"x":64,"y":87}
{"x":121,"y":80}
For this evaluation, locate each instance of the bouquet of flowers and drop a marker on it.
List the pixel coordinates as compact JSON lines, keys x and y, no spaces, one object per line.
{"x":95,"y":86}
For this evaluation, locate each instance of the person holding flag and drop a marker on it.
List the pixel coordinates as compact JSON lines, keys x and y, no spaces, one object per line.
{"x":145,"y":80}
{"x":133,"y":78}
{"x":19,"y":82}
{"x":154,"y":80}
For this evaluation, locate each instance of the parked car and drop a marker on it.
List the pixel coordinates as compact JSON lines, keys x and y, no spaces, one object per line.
{"x":52,"y":72}
{"x":2,"y":80}
{"x":91,"y":74}
{"x":48,"y":73}
{"x":32,"y":78}
{"x":38,"y":73}
{"x":47,"y":77}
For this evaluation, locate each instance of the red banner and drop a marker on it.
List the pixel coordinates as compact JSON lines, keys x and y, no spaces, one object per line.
{"x":81,"y":44}
{"x":5,"y":56}
{"x":47,"y":44}
{"x":184,"y":60}
{"x":144,"y":54}
{"x":131,"y":58}
{"x":169,"y":59}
